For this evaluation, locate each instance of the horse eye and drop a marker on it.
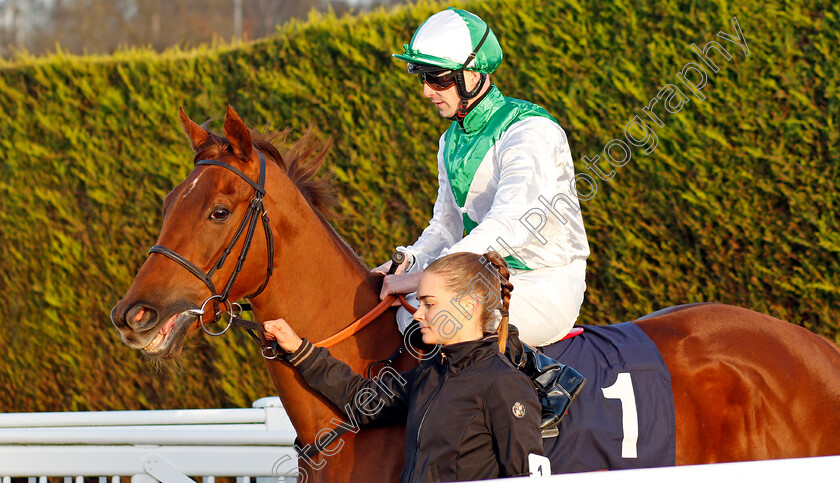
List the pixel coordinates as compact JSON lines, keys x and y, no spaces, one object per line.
{"x":219,"y":214}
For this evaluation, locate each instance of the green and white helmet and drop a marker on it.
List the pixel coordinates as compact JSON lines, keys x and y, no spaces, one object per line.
{"x":453,"y":40}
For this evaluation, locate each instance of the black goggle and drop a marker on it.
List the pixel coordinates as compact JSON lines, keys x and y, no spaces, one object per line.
{"x":438,"y":80}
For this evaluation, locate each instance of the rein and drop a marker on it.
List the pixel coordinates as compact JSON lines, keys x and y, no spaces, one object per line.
{"x":366,"y":319}
{"x":272,"y":350}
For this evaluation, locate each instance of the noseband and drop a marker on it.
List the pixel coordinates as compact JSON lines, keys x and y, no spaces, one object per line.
{"x":255,"y":211}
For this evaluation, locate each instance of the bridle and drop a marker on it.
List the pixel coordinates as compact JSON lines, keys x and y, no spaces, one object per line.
{"x":256,"y":210}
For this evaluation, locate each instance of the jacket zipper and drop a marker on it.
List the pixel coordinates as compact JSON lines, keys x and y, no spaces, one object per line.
{"x":423,"y":419}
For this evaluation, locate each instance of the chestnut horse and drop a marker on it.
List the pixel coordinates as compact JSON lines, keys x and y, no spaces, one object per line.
{"x":746,"y":386}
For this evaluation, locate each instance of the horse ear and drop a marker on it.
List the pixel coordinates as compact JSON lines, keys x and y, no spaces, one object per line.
{"x":238,"y":135}
{"x":196,"y":133}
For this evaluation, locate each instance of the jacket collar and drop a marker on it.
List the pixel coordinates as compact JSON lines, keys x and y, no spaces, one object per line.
{"x":460,"y":356}
{"x":481,"y":112}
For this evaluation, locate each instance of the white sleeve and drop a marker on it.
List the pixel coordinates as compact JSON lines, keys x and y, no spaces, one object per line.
{"x":532,"y":159}
{"x":446,"y":226}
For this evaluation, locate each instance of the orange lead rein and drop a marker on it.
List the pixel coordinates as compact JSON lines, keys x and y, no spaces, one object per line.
{"x":366,"y":319}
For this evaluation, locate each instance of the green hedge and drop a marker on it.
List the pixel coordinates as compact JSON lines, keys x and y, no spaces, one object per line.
{"x":738,"y":203}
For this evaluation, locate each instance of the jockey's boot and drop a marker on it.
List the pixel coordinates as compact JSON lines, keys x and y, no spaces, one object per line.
{"x":557,"y":384}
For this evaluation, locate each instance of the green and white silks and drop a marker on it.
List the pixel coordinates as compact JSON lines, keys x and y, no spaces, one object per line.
{"x":496,"y":175}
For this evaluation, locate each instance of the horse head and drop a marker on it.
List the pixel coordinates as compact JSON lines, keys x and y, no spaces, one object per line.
{"x":211,"y":249}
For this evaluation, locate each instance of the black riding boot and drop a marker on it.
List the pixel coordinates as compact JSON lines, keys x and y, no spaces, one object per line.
{"x":557,"y":384}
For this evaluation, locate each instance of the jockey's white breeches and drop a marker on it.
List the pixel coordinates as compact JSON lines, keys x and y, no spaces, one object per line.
{"x":544,"y":304}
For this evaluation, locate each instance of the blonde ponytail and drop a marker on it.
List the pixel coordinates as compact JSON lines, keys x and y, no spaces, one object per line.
{"x":505,"y":289}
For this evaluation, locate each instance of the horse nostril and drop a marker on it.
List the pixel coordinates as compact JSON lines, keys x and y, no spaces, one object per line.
{"x":140,"y":317}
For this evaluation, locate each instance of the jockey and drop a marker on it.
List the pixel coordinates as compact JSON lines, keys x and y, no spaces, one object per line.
{"x":506,"y":184}
{"x":506,"y":181}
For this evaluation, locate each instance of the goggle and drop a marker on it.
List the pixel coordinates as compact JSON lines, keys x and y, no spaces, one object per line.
{"x":438,"y":80}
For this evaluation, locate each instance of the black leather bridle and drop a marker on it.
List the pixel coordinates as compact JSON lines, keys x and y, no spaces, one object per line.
{"x":256,"y":210}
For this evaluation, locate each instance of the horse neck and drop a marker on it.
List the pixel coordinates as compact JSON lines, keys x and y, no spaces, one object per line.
{"x":317,"y":281}
{"x":319,"y":286}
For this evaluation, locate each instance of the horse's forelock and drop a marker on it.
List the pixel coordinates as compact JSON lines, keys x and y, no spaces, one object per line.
{"x":212,"y":148}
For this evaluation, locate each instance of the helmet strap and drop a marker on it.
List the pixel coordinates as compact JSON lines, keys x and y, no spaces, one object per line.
{"x":466,"y":95}
{"x":463,"y":93}
{"x":462,"y":85}
{"x":462,"y":110}
{"x":477,"y":48}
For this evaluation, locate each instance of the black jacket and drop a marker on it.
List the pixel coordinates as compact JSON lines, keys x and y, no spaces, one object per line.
{"x":470,"y":414}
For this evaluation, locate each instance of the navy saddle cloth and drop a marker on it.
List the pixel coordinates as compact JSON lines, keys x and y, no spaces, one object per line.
{"x":624,"y":416}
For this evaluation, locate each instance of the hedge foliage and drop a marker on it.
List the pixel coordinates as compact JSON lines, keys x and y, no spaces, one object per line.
{"x":737,"y":204}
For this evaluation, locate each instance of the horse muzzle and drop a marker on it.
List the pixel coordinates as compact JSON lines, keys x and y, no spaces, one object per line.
{"x":142,"y":328}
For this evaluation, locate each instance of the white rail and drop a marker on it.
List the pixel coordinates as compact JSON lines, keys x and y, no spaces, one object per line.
{"x":149,"y":446}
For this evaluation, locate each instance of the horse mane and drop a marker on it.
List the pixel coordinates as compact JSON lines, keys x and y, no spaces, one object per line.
{"x":301,"y":160}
